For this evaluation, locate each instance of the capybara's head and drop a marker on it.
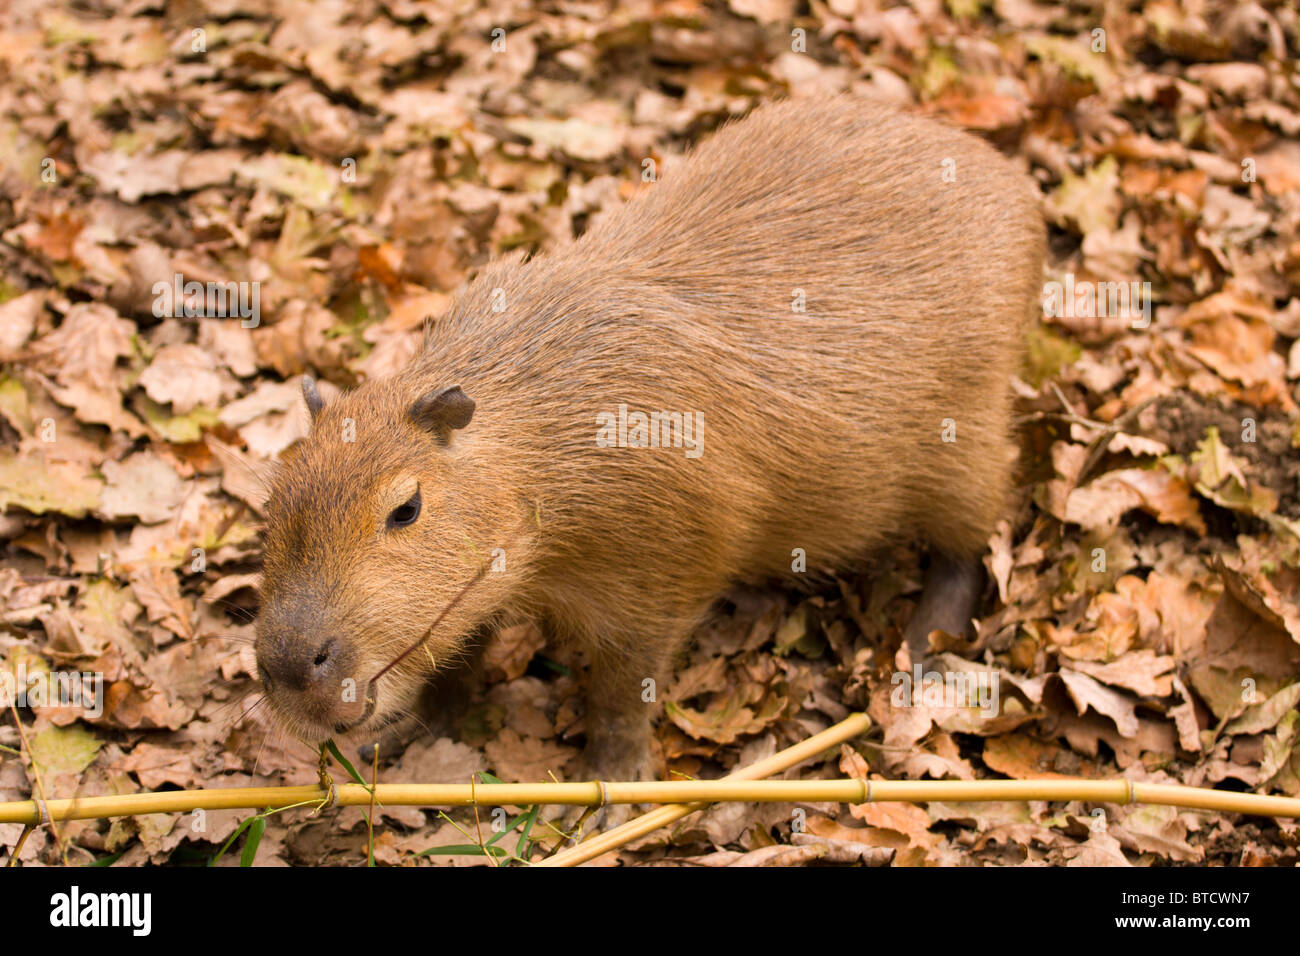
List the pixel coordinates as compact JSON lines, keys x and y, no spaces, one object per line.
{"x":374,"y":524}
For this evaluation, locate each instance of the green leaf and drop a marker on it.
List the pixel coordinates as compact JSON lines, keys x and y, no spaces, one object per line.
{"x":15,"y":406}
{"x":229,"y":842}
{"x":345,"y":762}
{"x":1090,"y":201}
{"x":1046,"y":354}
{"x":59,"y":750}
{"x":254,"y":840}
{"x":35,"y":484}
{"x":1074,"y":55}
{"x":176,"y":428}
{"x":551,"y":665}
{"x":108,"y":860}
{"x":308,"y":182}
{"x":509,"y":827}
{"x":463,"y":849}
{"x":526,"y":838}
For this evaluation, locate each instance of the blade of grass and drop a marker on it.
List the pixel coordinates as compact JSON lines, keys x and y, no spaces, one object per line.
{"x":464,"y":849}
{"x":523,"y":849}
{"x":233,"y":837}
{"x":345,"y":763}
{"x":254,"y":840}
{"x":108,"y":860}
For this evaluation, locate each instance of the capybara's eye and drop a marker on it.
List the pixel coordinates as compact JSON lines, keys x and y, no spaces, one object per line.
{"x":406,"y":513}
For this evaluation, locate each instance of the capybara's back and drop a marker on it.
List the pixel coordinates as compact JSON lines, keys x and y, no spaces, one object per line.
{"x":825,"y":285}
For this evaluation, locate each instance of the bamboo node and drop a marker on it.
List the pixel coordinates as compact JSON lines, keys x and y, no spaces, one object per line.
{"x":331,"y":797}
{"x":42,"y":811}
{"x":1132,"y":792}
{"x":603,"y":791}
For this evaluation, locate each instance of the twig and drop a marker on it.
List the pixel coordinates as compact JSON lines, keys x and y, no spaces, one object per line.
{"x":478,"y":824}
{"x":40,"y":787}
{"x":18,"y":847}
{"x":1099,"y":445}
{"x":370,"y":817}
{"x":482,"y":571}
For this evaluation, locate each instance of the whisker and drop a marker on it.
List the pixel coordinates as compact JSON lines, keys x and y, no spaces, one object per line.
{"x":252,"y":707}
{"x":234,"y":608}
{"x":412,"y":715}
{"x":261,"y":749}
{"x":223,"y":710}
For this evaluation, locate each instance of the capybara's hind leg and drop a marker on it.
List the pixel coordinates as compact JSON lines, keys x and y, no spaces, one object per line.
{"x":952,"y":588}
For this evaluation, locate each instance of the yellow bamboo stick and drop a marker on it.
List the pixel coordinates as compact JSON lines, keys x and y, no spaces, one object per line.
{"x":683,"y":792}
{"x":682,"y":797}
{"x":849,"y":727}
{"x":677,"y":792}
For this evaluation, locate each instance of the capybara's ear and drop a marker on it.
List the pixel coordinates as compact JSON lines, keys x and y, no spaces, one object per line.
{"x":443,"y":411}
{"x":314,"y":401}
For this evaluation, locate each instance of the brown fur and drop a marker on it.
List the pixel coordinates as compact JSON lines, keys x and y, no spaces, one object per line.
{"x":821,"y":429}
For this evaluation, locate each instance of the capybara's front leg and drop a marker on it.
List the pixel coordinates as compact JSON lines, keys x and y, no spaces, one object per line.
{"x":623,"y":684}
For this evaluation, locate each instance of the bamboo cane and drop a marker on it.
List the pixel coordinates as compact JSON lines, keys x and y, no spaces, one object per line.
{"x":681,"y":797}
{"x":593,"y":793}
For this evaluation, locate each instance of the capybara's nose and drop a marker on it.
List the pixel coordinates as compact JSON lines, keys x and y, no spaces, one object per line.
{"x":298,"y":663}
{"x":324,"y":663}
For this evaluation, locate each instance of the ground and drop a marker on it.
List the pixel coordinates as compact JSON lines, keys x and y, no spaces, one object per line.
{"x":358,"y":160}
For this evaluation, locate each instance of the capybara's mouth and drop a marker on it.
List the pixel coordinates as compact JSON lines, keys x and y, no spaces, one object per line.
{"x":370,"y":696}
{"x":313,"y":723}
